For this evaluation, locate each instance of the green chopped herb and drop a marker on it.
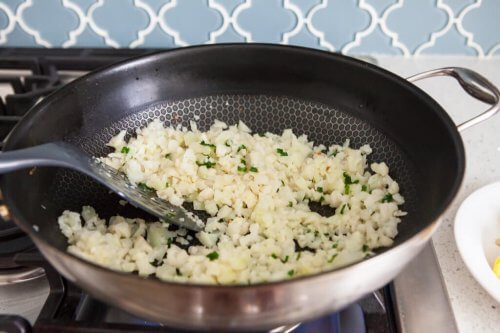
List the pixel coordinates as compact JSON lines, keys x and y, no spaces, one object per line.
{"x":212,"y":256}
{"x":347,"y":189}
{"x":203,"y":143}
{"x":316,"y":233}
{"x":228,"y":143}
{"x":242,"y":161}
{"x":145,"y":187}
{"x":332,"y":258}
{"x":241,"y":147}
{"x":334,"y":153}
{"x":290,"y":204}
{"x":308,"y":230}
{"x":282,"y":183}
{"x":125,"y":150}
{"x":348,"y":180}
{"x":322,"y":199}
{"x":281,"y":152}
{"x":167,"y":155}
{"x":207,"y":164}
{"x":178,"y":272}
{"x":343,"y":208}
{"x":364,"y":188}
{"x":169,"y":242}
{"x":167,"y":184}
{"x":262,"y":134}
{"x":285,"y":260}
{"x":299,"y":255}
{"x":254,"y":169}
{"x":388,"y":198}
{"x":291,"y":273}
{"x":319,"y":189}
{"x":365,"y":248}
{"x":242,"y":169}
{"x":335,"y":245}
{"x":274,"y":256}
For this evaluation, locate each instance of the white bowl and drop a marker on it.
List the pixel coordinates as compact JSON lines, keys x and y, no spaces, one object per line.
{"x":477,"y":226}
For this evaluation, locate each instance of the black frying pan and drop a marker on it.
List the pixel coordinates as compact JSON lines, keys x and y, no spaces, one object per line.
{"x":329,"y":97}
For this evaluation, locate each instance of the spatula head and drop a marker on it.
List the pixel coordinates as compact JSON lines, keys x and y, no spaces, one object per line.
{"x":144,"y":198}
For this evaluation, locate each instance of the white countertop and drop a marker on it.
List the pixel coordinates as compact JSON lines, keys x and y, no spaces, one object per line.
{"x":474,"y":309}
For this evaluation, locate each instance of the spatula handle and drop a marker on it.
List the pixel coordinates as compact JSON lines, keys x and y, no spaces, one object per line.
{"x":49,"y":154}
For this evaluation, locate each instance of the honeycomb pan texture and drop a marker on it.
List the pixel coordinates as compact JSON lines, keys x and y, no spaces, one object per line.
{"x":321,"y":123}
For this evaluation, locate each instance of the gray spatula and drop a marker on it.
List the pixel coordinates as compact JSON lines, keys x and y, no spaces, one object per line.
{"x":65,"y":155}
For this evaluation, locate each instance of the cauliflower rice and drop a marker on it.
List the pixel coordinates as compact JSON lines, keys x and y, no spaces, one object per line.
{"x":256,"y":188}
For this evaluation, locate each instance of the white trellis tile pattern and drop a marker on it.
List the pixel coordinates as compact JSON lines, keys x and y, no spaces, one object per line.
{"x":405,"y":27}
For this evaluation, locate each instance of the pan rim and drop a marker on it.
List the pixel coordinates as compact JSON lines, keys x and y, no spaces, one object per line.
{"x":425,"y":233}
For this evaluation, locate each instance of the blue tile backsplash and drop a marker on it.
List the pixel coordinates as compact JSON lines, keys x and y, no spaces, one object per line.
{"x":400,"y":27}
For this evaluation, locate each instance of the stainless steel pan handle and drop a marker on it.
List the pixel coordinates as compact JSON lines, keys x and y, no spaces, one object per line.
{"x":474,"y":84}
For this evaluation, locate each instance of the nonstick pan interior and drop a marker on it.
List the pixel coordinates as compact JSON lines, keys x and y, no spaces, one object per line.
{"x":321,"y":123}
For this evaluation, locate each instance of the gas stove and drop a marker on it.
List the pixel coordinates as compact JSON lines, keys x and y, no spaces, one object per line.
{"x":34,"y":297}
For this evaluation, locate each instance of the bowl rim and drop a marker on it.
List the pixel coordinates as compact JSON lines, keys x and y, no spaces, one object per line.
{"x":474,"y":256}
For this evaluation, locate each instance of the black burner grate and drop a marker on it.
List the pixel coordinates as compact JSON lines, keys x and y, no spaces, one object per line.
{"x":46,"y":69}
